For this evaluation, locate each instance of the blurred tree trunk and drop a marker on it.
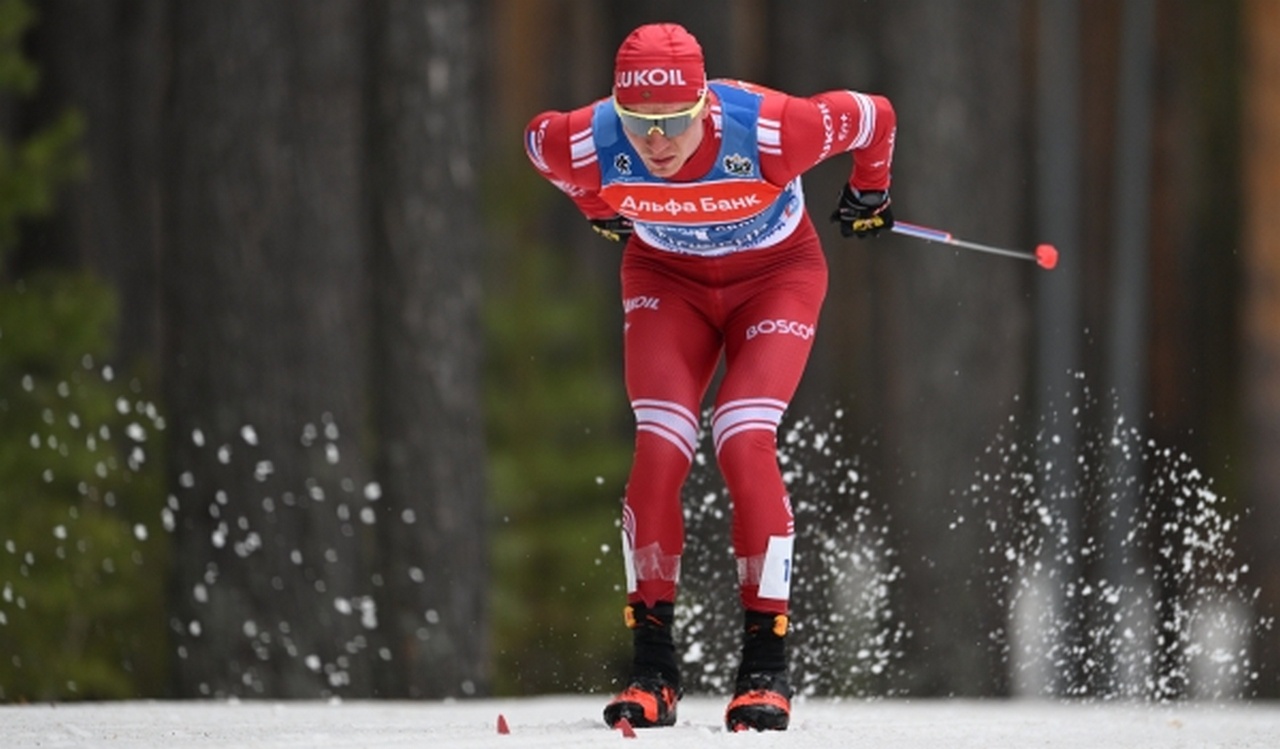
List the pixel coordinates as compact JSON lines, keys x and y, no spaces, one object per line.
{"x":1261,"y":249}
{"x":1195,"y":275}
{"x":106,"y":58}
{"x":1054,"y":663}
{"x":953,"y":343}
{"x":264,"y":297}
{"x":424,"y":149}
{"x":1127,"y":373}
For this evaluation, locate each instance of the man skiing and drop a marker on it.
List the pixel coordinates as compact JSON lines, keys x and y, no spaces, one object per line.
{"x":701,"y":180}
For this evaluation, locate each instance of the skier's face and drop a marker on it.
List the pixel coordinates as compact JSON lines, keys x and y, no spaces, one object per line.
{"x":665,"y":144}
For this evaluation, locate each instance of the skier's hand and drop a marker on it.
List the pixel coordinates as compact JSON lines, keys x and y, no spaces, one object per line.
{"x":862,"y":214}
{"x":616,"y":229}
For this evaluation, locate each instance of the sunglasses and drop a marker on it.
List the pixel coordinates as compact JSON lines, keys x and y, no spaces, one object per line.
{"x":668,"y":125}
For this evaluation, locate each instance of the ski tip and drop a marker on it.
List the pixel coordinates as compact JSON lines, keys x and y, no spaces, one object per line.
{"x":1047,"y":256}
{"x":624,"y":726}
{"x":503,"y":728}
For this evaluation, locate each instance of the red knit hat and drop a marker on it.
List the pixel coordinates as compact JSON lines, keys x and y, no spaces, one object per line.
{"x":659,"y":63}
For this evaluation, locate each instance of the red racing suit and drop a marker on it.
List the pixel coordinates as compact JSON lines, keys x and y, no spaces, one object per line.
{"x":724,"y":261}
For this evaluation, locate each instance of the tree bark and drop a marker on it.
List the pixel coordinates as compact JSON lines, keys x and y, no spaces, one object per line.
{"x":1127,"y":372}
{"x":427,"y":349}
{"x":264,"y":298}
{"x":953,"y":343}
{"x":107,"y":60}
{"x":1261,"y":249}
{"x":1055,"y":658}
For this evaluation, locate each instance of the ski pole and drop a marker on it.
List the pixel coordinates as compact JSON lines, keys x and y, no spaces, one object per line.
{"x":1045,"y":256}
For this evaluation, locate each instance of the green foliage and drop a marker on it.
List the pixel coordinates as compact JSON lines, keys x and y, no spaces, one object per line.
{"x":80,"y":564}
{"x":31,"y":171}
{"x":31,"y":174}
{"x":81,"y":570}
{"x":17,"y":74}
{"x":559,"y":448}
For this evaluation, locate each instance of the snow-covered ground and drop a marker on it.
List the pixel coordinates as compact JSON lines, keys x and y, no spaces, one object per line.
{"x":572,"y":721}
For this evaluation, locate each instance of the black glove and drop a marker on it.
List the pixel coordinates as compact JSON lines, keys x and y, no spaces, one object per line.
{"x":616,"y":229}
{"x":862,"y":214}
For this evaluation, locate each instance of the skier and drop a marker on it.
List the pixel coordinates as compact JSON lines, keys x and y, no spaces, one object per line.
{"x":701,"y":180}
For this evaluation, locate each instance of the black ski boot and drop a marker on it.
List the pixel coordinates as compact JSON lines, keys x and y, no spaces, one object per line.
{"x":762,"y":691}
{"x":650,"y":697}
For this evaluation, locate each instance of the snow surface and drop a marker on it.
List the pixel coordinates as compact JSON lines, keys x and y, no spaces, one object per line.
{"x":572,"y":721}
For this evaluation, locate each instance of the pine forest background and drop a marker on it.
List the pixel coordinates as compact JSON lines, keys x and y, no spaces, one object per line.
{"x":310,"y":386}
